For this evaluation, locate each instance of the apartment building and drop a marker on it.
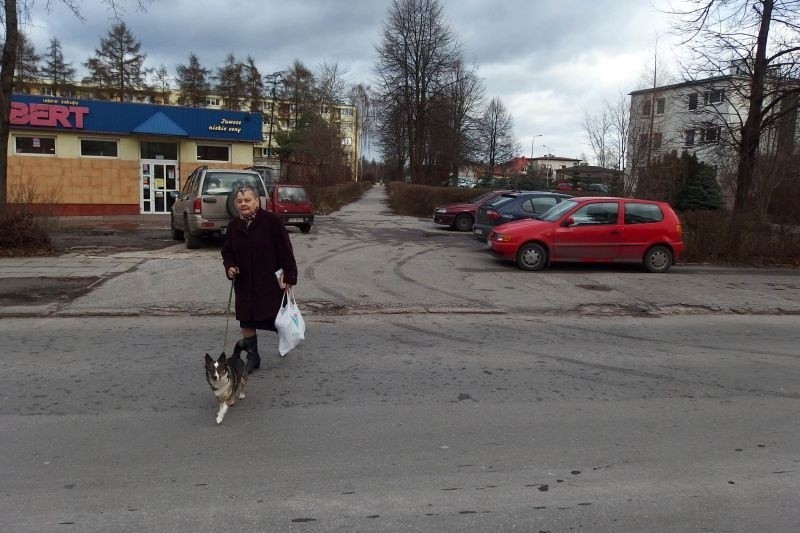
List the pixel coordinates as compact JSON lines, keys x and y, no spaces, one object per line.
{"x":703,"y":117}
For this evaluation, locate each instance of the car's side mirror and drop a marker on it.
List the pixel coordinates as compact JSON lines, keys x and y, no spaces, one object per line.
{"x":569,"y":221}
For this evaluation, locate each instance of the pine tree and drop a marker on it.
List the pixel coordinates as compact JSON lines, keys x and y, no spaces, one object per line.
{"x":55,"y":69}
{"x":255,"y":85}
{"x":27,"y":65}
{"x":193,"y":83}
{"x":702,"y":191}
{"x":231,"y":84}
{"x":118,"y":64}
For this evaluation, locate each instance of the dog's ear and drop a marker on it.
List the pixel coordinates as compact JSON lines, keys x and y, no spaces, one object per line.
{"x":222,"y":358}
{"x":208,"y":359}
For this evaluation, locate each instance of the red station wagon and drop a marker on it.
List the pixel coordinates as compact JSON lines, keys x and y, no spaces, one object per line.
{"x":593,"y":229}
{"x":460,"y":216}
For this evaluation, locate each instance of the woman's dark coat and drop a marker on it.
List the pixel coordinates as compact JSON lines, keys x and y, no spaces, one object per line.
{"x":258,"y":251}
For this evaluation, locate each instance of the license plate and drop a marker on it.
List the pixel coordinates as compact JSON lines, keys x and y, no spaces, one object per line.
{"x":478,"y":231}
{"x":296,"y":219}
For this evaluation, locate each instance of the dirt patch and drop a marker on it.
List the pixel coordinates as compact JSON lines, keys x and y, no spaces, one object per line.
{"x":41,"y":291}
{"x":107,"y":240}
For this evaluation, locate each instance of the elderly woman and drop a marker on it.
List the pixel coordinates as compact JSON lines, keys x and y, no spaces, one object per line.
{"x":256,"y":246}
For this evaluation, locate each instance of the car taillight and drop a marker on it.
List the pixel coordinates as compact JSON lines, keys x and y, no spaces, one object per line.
{"x":494,"y":215}
{"x":196,"y":205}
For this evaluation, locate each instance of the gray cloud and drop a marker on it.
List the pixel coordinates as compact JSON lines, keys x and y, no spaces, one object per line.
{"x":549,"y":62}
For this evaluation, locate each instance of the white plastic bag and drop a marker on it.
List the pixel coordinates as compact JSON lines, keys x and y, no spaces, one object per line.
{"x":289,"y":323}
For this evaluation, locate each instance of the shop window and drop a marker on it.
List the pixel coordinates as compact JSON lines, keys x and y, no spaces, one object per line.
{"x":98,"y":148}
{"x":34,"y":145}
{"x":210,"y":152}
{"x":159,"y":150}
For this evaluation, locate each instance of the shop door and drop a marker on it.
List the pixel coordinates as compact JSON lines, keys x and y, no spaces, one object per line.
{"x":159,"y":185}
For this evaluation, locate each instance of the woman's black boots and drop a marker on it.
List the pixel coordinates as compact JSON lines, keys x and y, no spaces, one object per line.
{"x":249,"y":345}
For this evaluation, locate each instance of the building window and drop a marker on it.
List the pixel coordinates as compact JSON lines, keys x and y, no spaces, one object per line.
{"x":98,"y":148}
{"x":714,"y":97}
{"x":48,"y":91}
{"x":324,"y":110}
{"x":689,"y":137}
{"x":34,"y":145}
{"x":159,"y":150}
{"x":711,"y":134}
{"x":347,"y":112}
{"x":656,"y":141}
{"x":692,"y":101}
{"x":642,"y":140}
{"x":212,"y":101}
{"x":646,"y":109}
{"x":210,"y":152}
{"x":660,"y":106}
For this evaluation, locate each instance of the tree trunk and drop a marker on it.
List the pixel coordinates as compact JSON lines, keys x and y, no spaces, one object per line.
{"x":7,"y":66}
{"x":751,"y":137}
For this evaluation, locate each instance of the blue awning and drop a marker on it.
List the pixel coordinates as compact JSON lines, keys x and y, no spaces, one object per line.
{"x":160,"y":124}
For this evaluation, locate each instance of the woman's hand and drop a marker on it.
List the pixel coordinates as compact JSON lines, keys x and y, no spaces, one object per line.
{"x":232,"y":271}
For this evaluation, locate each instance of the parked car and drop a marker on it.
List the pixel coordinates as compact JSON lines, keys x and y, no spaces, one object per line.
{"x":598,"y":187}
{"x":460,"y":216}
{"x":292,"y":204}
{"x":204,"y":205}
{"x":566,"y":186}
{"x":593,"y":229}
{"x":510,"y":206}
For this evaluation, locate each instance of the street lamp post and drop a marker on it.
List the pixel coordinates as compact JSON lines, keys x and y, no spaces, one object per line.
{"x":532,"y":141}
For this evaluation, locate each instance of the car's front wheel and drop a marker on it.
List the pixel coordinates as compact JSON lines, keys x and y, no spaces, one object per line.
{"x":463,"y":222}
{"x":305,"y":228}
{"x":658,"y":259}
{"x":531,"y":256}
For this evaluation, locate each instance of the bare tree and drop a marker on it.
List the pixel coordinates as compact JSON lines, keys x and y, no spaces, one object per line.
{"x":416,"y":52}
{"x":193,"y":85}
{"x":361,"y":99}
{"x":118,"y":64}
{"x":254,"y":85}
{"x":332,"y":83}
{"x":497,"y":136}
{"x":761,"y":38}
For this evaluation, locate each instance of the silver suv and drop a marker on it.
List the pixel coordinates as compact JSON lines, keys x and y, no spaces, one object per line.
{"x":205,"y":203}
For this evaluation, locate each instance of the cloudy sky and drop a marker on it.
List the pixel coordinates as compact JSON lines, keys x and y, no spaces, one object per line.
{"x":550,"y":62}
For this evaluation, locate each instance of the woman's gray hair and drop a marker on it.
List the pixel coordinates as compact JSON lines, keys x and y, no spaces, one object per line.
{"x":245,"y":188}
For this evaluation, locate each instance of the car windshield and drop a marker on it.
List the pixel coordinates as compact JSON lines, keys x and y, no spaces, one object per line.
{"x":224,"y":183}
{"x":500,"y":200}
{"x":555,"y":212}
{"x":292,"y":194}
{"x":482,"y":197}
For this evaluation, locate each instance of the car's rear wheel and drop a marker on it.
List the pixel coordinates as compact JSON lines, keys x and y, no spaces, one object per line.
{"x":463,"y":222}
{"x":192,"y":241}
{"x":658,"y":259}
{"x":305,"y":228}
{"x":176,"y":233}
{"x":531,"y":256}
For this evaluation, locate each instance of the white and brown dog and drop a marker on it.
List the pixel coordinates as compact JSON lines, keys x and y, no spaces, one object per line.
{"x":227,"y":378}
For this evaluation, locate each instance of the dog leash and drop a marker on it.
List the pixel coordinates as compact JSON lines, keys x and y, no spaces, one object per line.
{"x":227,"y":317}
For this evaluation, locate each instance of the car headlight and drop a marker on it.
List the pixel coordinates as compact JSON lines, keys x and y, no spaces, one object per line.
{"x":440,"y":210}
{"x":501,"y":237}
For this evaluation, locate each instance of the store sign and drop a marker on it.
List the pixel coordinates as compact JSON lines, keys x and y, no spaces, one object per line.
{"x":47,"y":115}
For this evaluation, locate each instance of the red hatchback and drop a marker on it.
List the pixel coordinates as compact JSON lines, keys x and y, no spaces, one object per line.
{"x":593,"y":229}
{"x":461,"y":216}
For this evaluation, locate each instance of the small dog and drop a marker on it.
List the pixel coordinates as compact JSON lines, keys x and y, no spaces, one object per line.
{"x":227,"y":378}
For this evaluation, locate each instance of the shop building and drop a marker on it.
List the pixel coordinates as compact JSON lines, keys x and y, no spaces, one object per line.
{"x":99,"y":157}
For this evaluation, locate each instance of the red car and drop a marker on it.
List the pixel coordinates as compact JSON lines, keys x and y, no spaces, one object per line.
{"x":593,"y":229}
{"x":460,"y":216}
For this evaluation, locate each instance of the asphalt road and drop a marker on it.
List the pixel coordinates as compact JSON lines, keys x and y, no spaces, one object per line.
{"x":437,"y":390}
{"x":405,"y":423}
